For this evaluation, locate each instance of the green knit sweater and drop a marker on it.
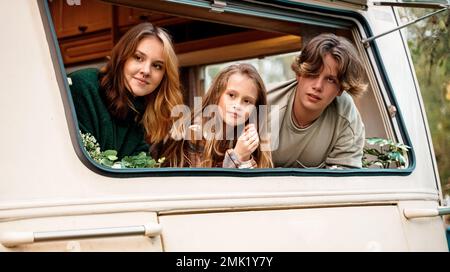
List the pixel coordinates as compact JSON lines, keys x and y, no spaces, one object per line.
{"x":127,"y":137}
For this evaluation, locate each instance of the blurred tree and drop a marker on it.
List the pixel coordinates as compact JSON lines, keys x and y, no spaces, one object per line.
{"x":429,"y":42}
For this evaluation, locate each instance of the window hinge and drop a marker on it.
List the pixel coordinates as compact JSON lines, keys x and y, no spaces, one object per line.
{"x":218,"y":6}
{"x":392,"y":111}
{"x":366,"y":42}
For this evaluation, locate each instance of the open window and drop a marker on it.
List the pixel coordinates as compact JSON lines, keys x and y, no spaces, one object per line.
{"x":210,"y":34}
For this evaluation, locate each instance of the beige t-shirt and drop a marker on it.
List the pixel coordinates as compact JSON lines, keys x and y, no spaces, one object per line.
{"x":335,"y":138}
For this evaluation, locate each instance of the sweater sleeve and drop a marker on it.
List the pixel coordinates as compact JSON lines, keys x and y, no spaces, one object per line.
{"x":86,"y":99}
{"x":348,"y":150}
{"x":231,"y":161}
{"x":127,"y":137}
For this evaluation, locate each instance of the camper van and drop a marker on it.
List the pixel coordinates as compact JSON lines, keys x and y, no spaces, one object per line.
{"x":55,"y":197}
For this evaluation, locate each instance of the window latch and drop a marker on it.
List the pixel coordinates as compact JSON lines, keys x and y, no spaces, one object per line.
{"x":443,"y":7}
{"x":218,"y":6}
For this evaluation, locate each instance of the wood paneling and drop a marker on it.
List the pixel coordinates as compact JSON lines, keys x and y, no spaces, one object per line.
{"x":253,"y":49}
{"x":87,"y":32}
{"x":86,"y":18}
{"x":86,"y":49}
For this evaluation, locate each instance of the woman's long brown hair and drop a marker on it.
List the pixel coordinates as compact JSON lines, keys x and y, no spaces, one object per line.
{"x":156,"y":118}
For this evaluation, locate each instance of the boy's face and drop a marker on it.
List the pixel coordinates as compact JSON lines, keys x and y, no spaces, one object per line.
{"x":315,"y":93}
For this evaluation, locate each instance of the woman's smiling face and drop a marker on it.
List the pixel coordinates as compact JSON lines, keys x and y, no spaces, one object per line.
{"x":145,"y":70}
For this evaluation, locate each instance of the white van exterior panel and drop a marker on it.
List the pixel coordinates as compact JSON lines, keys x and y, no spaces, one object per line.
{"x":40,"y":165}
{"x":378,"y":229}
{"x":38,"y":139}
{"x":43,"y":178}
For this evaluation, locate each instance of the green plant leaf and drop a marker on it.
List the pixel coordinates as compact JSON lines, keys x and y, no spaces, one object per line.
{"x":109,"y":157}
{"x":112,"y":157}
{"x":373,"y":141}
{"x":386,"y":152}
{"x":106,"y":162}
{"x":110,"y":152}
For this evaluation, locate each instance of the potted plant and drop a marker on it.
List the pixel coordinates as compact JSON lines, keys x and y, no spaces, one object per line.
{"x":384,"y":153}
{"x":109,"y":157}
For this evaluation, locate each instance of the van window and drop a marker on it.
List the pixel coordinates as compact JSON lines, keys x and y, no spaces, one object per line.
{"x":273,"y":69}
{"x":208,"y":37}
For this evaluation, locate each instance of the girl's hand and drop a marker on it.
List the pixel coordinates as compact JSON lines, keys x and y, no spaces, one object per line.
{"x":247,"y":143}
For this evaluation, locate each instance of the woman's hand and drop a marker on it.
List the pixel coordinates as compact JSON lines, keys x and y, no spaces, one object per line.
{"x":247,"y":143}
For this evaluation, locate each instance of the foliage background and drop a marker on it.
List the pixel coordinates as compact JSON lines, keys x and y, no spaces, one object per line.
{"x":429,"y":42}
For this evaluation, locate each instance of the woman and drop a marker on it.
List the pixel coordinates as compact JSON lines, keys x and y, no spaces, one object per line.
{"x":126,"y":105}
{"x":224,"y":134}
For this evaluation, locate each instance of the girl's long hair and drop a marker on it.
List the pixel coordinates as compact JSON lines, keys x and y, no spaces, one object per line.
{"x":214,"y":149}
{"x":156,"y":119}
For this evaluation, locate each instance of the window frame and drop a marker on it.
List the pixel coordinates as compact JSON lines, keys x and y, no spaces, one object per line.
{"x":302,"y":14}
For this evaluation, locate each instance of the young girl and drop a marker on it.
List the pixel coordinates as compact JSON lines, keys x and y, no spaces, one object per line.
{"x":127,"y":105}
{"x":223,"y":134}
